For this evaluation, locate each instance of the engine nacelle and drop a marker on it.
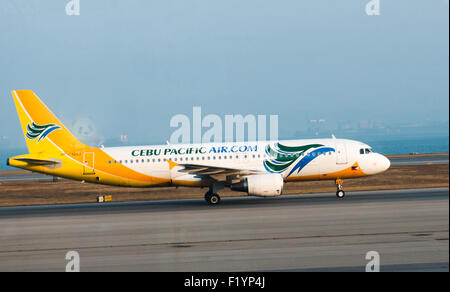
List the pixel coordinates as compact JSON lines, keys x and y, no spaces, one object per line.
{"x":262,"y":185}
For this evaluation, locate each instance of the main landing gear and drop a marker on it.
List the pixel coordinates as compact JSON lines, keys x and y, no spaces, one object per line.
{"x":212,"y":198}
{"x":340,"y":190}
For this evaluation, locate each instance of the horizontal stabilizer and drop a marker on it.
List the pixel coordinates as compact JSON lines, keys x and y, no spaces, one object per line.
{"x":24,"y":161}
{"x":38,"y":161}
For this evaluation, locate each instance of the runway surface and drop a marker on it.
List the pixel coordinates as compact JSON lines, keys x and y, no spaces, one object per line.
{"x":419,"y":160}
{"x":25,"y":176}
{"x":408,"y":228}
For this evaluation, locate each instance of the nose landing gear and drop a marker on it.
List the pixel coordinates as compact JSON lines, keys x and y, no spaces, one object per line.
{"x":340,"y":190}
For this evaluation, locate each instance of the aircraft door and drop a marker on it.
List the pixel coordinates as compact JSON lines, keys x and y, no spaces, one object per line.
{"x":88,"y":163}
{"x":341,"y":153}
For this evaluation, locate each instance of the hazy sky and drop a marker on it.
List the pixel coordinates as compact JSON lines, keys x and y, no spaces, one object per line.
{"x":130,"y":66}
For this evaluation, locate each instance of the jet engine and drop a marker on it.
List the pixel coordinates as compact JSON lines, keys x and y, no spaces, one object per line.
{"x":262,"y":185}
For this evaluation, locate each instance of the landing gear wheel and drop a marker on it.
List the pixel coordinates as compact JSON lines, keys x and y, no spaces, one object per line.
{"x":212,"y":198}
{"x":340,"y":191}
{"x":340,"y":194}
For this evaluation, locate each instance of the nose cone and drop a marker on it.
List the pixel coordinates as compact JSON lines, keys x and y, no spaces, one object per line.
{"x":375,"y":163}
{"x":384,"y":163}
{"x":380,"y":163}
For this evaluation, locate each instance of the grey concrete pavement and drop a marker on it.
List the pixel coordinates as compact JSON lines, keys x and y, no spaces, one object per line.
{"x":408,"y":228}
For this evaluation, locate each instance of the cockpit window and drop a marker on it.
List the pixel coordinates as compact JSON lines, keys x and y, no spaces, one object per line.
{"x":365,"y":151}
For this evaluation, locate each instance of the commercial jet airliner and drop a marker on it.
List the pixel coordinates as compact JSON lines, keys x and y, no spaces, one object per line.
{"x":256,"y":168}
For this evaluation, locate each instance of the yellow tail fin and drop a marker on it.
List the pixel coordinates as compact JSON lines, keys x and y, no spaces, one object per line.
{"x":43,"y":132}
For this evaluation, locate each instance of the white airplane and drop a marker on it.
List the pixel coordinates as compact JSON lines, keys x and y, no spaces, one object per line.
{"x":257,"y":168}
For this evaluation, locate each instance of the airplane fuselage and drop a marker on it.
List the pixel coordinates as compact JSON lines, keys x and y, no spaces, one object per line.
{"x":319,"y":159}
{"x":258,"y":168}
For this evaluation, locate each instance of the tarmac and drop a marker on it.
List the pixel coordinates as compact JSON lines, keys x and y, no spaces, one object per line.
{"x":409,"y":229}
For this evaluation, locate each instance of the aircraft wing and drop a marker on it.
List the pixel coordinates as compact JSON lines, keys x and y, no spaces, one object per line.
{"x":214,"y":172}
